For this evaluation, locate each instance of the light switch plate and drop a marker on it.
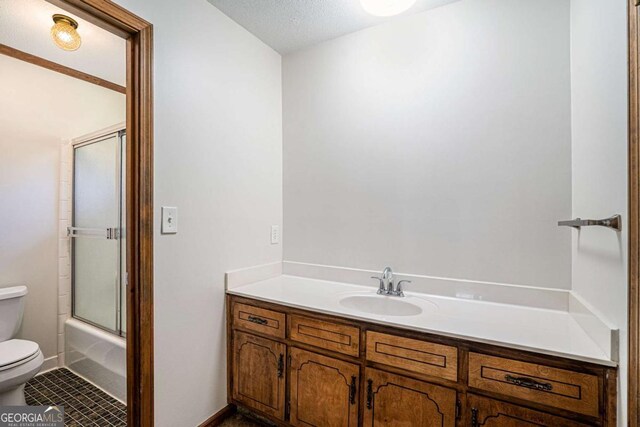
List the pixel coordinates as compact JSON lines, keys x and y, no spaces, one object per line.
{"x":169,"y":220}
{"x":275,"y":234}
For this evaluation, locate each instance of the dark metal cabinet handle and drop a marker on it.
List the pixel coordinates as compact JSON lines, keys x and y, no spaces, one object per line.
{"x":369,"y":393}
{"x":474,"y":417}
{"x":528,"y":383}
{"x":258,"y":320}
{"x":352,"y":391}
{"x":281,"y":365}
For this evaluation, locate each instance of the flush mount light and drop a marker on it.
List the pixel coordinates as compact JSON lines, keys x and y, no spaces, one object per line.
{"x":386,"y":7}
{"x":64,"y":32}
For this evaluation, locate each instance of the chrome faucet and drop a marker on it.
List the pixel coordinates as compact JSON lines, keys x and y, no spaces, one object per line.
{"x":387,"y":286}
{"x":399,"y":288}
{"x":387,"y":279}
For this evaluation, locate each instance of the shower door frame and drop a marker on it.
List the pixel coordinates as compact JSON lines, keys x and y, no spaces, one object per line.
{"x":139,"y":195}
{"x":633,"y":392}
{"x":113,"y":131}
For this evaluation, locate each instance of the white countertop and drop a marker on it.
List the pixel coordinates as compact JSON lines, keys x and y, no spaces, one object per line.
{"x":546,"y":331}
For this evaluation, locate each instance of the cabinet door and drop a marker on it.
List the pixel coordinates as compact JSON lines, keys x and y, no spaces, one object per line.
{"x":487,"y":412}
{"x":258,"y":373}
{"x":394,"y":400}
{"x":324,"y":391}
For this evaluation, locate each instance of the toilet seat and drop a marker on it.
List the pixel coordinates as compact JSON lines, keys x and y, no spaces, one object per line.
{"x":14,"y":375}
{"x":17,"y":352}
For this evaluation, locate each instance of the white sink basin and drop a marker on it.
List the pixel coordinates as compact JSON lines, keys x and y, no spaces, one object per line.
{"x":383,"y":305}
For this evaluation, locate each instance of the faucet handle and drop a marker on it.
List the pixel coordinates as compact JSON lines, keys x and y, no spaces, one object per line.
{"x":381,"y":289}
{"x":399,"y":286}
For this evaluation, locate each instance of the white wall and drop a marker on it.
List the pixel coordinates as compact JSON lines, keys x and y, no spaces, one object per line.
{"x":599,"y":125}
{"x":438,"y":144}
{"x":218,"y":158}
{"x":40,"y":108}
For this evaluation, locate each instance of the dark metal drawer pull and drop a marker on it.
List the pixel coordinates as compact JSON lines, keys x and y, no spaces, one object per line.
{"x":280,"y":365}
{"x":258,"y":320}
{"x":352,"y":391}
{"x":528,"y":383}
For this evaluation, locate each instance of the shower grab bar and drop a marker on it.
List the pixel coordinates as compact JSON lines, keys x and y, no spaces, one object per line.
{"x":614,"y":222}
{"x":100,"y":233}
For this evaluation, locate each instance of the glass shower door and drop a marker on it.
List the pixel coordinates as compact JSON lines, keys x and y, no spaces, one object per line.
{"x":96,"y":231}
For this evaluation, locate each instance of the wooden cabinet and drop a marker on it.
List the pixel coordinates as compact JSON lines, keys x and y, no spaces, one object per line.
{"x":394,"y":400}
{"x":258,"y":373}
{"x":300,"y":368}
{"x":323,"y":390}
{"x":486,"y":412}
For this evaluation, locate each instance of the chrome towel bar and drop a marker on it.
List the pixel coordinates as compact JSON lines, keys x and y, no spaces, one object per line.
{"x":614,"y":222}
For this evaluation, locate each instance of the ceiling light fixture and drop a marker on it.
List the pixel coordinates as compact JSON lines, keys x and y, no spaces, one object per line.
{"x":64,"y":32}
{"x":386,"y":7}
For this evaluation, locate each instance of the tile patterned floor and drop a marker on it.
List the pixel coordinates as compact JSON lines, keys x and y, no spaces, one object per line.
{"x":84,"y":404}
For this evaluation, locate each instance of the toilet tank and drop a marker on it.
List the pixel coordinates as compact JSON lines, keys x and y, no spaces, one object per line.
{"x":11,"y":308}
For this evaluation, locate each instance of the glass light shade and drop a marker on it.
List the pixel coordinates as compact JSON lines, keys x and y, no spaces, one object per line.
{"x":64,"y":33}
{"x":386,"y":7}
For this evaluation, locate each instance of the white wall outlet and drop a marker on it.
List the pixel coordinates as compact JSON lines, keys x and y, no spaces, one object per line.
{"x":169,"y":220}
{"x":275,"y":234}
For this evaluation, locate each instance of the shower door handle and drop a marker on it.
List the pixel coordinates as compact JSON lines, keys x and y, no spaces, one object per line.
{"x":98,"y":233}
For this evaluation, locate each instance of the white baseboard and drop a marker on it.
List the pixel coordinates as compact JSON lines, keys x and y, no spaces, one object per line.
{"x":49,"y":364}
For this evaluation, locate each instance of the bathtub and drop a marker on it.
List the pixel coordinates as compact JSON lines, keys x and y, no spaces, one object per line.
{"x":98,"y":356}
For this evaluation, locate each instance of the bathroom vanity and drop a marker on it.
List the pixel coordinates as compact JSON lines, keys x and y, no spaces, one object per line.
{"x":305,"y":364}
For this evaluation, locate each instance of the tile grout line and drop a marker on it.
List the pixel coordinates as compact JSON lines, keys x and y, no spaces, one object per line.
{"x":102,"y":396}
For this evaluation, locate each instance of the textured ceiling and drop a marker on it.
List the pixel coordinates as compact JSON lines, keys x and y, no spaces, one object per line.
{"x":289,"y":25}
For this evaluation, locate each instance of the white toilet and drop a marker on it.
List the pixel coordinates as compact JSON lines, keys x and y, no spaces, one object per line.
{"x":20,"y":360}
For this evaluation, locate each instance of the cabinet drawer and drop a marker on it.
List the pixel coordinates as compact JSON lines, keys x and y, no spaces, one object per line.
{"x":573,"y":391}
{"x":327,"y":335}
{"x":258,"y":319}
{"x":418,"y":356}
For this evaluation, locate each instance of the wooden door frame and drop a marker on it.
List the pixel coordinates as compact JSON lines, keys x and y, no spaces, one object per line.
{"x":634,"y":217}
{"x":139,"y":197}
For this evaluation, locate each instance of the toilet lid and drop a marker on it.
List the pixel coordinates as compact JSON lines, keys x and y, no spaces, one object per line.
{"x":14,"y":351}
